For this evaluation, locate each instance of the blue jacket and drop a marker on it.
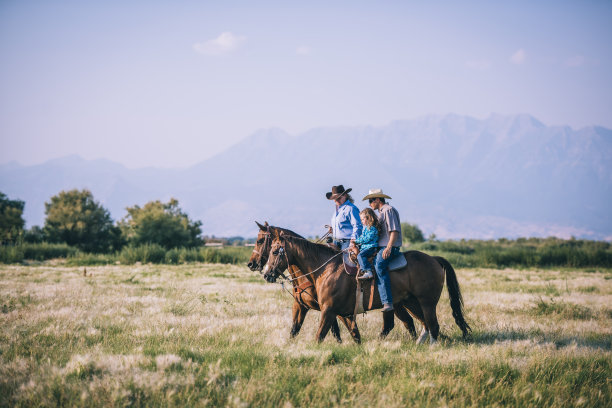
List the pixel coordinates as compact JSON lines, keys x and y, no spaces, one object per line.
{"x":368,"y":238}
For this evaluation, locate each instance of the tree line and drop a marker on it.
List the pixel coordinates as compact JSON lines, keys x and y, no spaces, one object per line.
{"x":80,"y":229}
{"x":75,"y":218}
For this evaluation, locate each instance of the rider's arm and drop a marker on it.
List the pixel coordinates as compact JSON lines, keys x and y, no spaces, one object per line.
{"x":392,"y":237}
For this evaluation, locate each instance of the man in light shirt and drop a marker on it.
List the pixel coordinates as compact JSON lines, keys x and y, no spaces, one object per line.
{"x":389,"y":243}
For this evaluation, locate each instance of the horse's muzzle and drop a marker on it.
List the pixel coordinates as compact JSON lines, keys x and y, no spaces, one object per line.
{"x":271,"y":278}
{"x":270,"y":274}
{"x":255,"y":267}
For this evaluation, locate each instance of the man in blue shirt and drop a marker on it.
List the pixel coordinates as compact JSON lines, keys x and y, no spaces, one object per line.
{"x":345,"y":222}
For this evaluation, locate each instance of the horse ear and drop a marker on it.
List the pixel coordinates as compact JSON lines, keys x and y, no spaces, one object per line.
{"x":261,"y":227}
{"x":266,"y":224}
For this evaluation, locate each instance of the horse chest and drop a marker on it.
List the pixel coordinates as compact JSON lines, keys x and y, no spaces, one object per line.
{"x":305,"y":294}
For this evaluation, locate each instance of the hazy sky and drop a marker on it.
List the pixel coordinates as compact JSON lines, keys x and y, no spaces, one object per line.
{"x":170,"y":83}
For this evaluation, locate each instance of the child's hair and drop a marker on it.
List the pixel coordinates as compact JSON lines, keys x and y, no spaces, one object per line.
{"x":368,"y":213}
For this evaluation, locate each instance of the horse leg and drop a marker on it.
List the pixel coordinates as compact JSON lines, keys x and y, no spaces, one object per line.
{"x":335,"y":329}
{"x":388,"y":324}
{"x":423,"y":336}
{"x":431,"y":322}
{"x":414,"y":307}
{"x":327,"y":319}
{"x":299,"y":314}
{"x":404,"y":316}
{"x":353,"y":330}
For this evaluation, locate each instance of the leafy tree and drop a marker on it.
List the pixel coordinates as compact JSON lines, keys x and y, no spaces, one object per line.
{"x":11,"y":219}
{"x":75,"y":218}
{"x":160,"y":223}
{"x":34,"y":235}
{"x":412,"y":233}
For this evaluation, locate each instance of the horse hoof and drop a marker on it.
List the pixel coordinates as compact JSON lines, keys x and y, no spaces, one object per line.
{"x":423,"y":337}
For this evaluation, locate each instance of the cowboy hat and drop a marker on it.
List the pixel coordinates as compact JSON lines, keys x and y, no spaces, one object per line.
{"x":337,"y":191}
{"x":375,"y":193}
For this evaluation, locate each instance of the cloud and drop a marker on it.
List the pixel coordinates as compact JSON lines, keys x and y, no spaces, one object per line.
{"x":480,"y":65}
{"x":518,"y":57}
{"x":303,"y":50}
{"x":575,"y":61}
{"x":225,"y":43}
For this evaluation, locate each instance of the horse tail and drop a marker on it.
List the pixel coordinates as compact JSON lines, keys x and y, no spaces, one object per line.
{"x":454,"y":293}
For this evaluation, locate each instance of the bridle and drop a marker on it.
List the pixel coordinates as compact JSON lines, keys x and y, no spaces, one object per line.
{"x":274,"y":267}
{"x":267,"y":242}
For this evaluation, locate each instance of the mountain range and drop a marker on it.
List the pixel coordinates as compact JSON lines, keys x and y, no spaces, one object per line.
{"x":453,"y":176}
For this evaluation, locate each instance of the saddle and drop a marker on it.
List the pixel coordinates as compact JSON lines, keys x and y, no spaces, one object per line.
{"x":368,"y":289}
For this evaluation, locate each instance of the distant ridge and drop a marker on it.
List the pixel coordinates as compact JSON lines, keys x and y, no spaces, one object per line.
{"x":455,"y":176}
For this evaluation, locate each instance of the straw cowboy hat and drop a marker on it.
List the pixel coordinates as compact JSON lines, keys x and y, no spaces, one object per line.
{"x":337,"y":191}
{"x":375,"y":193}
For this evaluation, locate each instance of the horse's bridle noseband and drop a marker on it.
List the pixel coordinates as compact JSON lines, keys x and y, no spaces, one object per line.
{"x":274,"y":267}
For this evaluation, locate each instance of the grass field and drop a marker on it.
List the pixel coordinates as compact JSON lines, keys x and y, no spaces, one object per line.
{"x":217,"y":335}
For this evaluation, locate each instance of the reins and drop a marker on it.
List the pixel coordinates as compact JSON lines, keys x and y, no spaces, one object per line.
{"x":310,"y":273}
{"x":293,"y":280}
{"x":327,"y":234}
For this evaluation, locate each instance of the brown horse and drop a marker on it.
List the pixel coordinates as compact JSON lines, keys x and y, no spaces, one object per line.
{"x":305,"y":298}
{"x":416,"y":287}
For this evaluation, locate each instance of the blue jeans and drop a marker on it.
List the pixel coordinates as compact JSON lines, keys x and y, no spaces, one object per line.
{"x":363,"y":256}
{"x":382,"y":275}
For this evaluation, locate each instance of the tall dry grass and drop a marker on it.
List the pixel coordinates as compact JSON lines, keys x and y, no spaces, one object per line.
{"x":217,"y":335}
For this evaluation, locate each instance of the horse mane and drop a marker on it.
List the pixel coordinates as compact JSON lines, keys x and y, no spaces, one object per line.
{"x":311,"y":249}
{"x":287,"y":232}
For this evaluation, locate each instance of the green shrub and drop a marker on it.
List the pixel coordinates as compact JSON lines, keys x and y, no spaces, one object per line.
{"x":84,"y":259}
{"x":173,"y":256}
{"x":233,"y":255}
{"x":523,"y":253}
{"x":190,"y":255}
{"x":10,"y":254}
{"x":35,"y":252}
{"x":44,"y":251}
{"x":146,"y":253}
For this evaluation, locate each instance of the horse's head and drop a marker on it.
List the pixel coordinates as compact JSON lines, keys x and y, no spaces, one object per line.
{"x":277,"y":259}
{"x":259,"y":256}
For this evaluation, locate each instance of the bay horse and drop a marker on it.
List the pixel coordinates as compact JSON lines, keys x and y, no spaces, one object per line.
{"x":305,"y":298}
{"x":416,"y":287}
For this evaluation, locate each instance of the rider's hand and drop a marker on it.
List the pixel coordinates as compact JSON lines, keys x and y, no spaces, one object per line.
{"x":386,"y":253}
